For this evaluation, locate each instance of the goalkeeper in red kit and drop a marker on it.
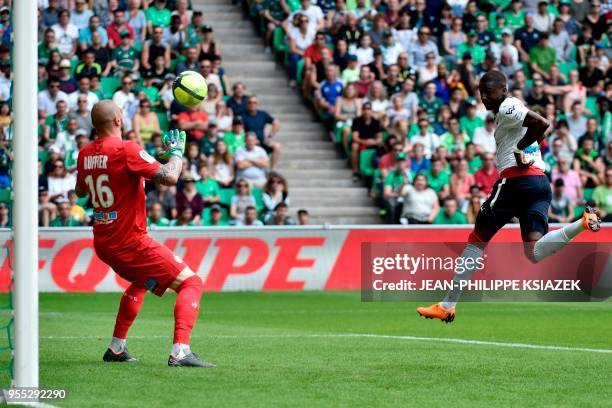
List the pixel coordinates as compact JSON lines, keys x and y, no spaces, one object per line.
{"x":112,"y":172}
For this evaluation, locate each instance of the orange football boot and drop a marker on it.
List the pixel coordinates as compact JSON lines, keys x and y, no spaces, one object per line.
{"x":590,"y":220}
{"x":436,"y":311}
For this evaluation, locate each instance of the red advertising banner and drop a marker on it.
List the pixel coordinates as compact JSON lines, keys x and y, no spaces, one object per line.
{"x":235,"y":259}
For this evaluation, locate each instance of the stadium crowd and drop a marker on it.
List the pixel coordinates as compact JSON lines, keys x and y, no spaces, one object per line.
{"x":396,"y":82}
{"x":130,"y":51}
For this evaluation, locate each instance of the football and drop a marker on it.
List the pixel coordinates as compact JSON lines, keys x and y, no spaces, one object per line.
{"x":189,"y":88}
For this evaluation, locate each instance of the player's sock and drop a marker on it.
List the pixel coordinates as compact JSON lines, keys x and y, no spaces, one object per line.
{"x":130,"y":304}
{"x":555,"y":240}
{"x":471,"y":251}
{"x":186,"y":308}
{"x":179,"y":350}
{"x":117,"y":345}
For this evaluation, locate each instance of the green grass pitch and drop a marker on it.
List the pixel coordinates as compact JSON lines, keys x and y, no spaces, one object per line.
{"x":296,"y":349}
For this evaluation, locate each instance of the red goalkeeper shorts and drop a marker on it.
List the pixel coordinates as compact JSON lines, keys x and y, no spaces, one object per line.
{"x":148,"y":263}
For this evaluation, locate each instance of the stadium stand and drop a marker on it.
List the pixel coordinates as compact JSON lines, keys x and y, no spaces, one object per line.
{"x":318,"y":178}
{"x":414,"y":66}
{"x":416,"y":63}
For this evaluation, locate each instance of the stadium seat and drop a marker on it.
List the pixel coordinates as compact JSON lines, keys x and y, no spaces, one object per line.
{"x":43,"y":157}
{"x":566,"y":67}
{"x":257,"y":193}
{"x":5,"y":195}
{"x":591,"y":105}
{"x":226,"y":195}
{"x":82,"y":201}
{"x":164,"y":123}
{"x":279,"y":40}
{"x":109,"y":86}
{"x":365,"y":162}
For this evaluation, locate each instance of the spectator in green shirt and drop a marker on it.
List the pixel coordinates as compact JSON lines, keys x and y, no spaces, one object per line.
{"x":215,"y":218}
{"x":470,"y":122}
{"x":602,"y":196}
{"x":516,"y":15}
{"x":57,"y":123}
{"x":392,"y":190}
{"x":64,"y":219}
{"x":158,"y":15}
{"x":156,"y":218}
{"x":235,"y":137}
{"x":472,"y":46}
{"x":438,"y":178}
{"x":454,"y":139}
{"x":430,"y":102}
{"x":450,"y":213}
{"x":207,"y":187}
{"x":542,"y":56}
{"x":47,"y":46}
{"x":351,"y":72}
{"x":125,"y":58}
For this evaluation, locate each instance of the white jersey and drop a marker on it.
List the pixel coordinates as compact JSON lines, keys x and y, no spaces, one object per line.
{"x":509,"y":131}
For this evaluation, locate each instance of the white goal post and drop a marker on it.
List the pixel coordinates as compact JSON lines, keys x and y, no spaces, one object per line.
{"x":25,"y":204}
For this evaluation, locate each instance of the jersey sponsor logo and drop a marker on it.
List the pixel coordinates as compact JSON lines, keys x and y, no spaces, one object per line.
{"x":146,"y":157}
{"x":509,"y":110}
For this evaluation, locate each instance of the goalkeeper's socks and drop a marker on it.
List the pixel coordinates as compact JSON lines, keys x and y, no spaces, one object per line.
{"x":117,"y":345}
{"x":555,"y":240}
{"x":130,"y":305}
{"x":179,"y":350}
{"x":471,"y":251}
{"x":186,"y":308}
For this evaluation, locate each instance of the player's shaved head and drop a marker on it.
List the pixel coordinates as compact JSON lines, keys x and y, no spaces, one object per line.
{"x":107,"y":118}
{"x":493,"y":89}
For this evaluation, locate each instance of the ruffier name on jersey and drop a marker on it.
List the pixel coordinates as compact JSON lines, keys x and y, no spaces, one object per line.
{"x":95,"y":162}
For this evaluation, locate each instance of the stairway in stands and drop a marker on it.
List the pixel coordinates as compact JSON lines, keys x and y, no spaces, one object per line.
{"x":319,"y":180}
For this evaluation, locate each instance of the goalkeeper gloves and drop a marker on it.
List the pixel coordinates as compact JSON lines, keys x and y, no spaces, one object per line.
{"x":174,"y":143}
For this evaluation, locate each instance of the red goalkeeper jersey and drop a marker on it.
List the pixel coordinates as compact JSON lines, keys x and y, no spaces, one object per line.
{"x":113,"y":171}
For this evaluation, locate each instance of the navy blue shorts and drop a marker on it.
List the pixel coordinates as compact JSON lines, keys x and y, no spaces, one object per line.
{"x":525,"y":197}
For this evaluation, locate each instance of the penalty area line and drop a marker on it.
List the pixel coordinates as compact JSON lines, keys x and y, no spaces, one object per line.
{"x":451,"y":340}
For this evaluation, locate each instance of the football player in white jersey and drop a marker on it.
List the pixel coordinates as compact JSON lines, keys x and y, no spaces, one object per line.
{"x":522,"y":191}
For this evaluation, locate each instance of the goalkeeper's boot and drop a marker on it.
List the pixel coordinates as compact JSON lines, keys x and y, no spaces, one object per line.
{"x":436,"y":311}
{"x":123,"y":357}
{"x":190,"y":360}
{"x":590,"y":220}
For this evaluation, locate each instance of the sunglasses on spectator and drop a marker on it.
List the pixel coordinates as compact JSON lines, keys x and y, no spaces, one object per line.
{"x":242,"y":186}
{"x":53,"y":86}
{"x":424,"y":33}
{"x":127,"y":83}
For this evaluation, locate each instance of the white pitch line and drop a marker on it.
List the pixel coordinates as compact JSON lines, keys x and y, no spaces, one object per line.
{"x":370,"y":336}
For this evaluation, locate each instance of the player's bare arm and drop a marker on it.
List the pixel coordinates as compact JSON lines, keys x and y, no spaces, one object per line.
{"x":537,"y":129}
{"x":168,"y":174}
{"x":174,"y":142}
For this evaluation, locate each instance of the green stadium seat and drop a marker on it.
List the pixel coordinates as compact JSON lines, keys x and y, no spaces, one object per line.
{"x":226,"y":195}
{"x":578,"y":210}
{"x":164,"y":123}
{"x":258,"y":194}
{"x":109,"y":86}
{"x":82,"y":201}
{"x":365,"y":162}
{"x":5,"y":195}
{"x":43,"y":157}
{"x":300,"y":71}
{"x":566,"y":67}
{"x":591,"y":105}
{"x":279,"y":40}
